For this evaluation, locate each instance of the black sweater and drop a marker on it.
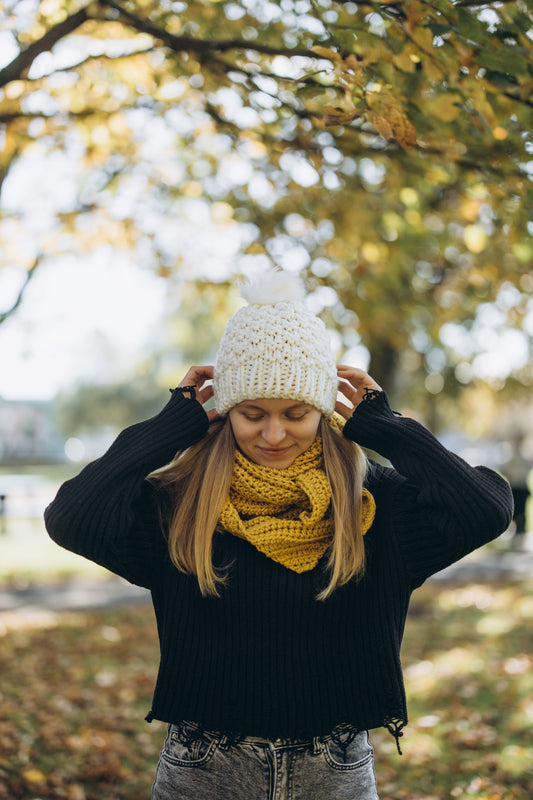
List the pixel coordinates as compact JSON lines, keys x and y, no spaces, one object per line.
{"x":267,"y":658}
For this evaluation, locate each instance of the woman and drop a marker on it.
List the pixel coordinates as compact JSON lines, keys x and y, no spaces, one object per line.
{"x":279,"y":559}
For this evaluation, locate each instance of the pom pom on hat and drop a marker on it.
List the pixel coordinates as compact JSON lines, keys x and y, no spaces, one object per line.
{"x":275,"y":348}
{"x":274,"y":287}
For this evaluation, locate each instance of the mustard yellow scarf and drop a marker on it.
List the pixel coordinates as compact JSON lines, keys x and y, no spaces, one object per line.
{"x":285,"y":513}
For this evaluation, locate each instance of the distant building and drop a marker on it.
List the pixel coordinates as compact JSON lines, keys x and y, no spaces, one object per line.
{"x":28,"y":434}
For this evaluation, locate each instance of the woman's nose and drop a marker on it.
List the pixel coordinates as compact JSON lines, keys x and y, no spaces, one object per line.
{"x":273,"y":432}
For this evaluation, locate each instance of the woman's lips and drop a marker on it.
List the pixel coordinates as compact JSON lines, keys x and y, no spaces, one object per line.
{"x":274,"y":452}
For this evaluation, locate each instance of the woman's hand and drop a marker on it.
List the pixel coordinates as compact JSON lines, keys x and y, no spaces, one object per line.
{"x":352,"y":385}
{"x":196,"y":378}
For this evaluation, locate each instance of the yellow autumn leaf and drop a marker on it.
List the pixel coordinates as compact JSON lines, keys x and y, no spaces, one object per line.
{"x":404,"y":61}
{"x":404,"y":132}
{"x":391,"y":122}
{"x":445,"y":107}
{"x":326,"y":52}
{"x":415,"y":12}
{"x":382,"y":125}
{"x":337,"y":116}
{"x":34,"y":776}
{"x":432,"y":70}
{"x":423,"y":37}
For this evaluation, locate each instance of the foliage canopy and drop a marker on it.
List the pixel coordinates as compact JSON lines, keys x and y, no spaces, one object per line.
{"x":383,"y":148}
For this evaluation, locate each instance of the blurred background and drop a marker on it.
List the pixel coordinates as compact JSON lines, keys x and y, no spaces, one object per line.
{"x":154,"y":153}
{"x":386,"y":156}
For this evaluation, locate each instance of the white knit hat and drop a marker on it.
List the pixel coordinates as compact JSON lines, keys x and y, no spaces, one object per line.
{"x":275,"y":347}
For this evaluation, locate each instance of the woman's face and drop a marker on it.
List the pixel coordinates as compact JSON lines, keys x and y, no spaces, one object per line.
{"x":274,"y":432}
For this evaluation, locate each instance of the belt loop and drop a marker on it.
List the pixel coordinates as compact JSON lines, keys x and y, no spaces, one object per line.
{"x":317,"y":745}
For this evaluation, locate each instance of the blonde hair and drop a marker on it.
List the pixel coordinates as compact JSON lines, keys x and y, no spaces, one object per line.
{"x":196,"y":483}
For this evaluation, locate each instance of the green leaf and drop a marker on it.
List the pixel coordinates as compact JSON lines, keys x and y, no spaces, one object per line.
{"x":310,"y":90}
{"x":500,"y":79}
{"x":470,"y":28}
{"x":503,"y":60}
{"x":438,"y":29}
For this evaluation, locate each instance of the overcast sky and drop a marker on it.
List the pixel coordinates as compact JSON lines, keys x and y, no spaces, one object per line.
{"x":80,"y":318}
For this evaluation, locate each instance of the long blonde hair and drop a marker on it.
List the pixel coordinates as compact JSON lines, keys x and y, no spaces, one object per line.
{"x":196,"y":483}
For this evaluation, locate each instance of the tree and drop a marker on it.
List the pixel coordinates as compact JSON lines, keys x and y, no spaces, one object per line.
{"x":383,"y":148}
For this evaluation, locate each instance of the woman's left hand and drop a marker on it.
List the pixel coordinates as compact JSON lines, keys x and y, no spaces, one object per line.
{"x":352,"y":385}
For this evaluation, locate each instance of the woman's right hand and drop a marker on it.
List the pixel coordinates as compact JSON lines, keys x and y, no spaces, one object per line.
{"x":196,"y":377}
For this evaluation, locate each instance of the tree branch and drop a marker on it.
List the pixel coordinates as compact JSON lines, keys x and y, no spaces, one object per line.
{"x":21,"y":63}
{"x":202,"y":46}
{"x":477,"y":3}
{"x":18,"y":300}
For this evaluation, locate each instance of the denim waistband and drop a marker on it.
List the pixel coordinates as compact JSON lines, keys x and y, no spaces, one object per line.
{"x":342,"y":731}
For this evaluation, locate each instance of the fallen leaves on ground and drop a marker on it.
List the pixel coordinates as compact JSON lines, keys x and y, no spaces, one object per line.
{"x":75,"y":688}
{"x":73,"y":701}
{"x":468,"y":664}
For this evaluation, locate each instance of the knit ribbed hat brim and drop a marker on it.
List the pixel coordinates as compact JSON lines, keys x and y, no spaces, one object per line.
{"x":275,"y":349}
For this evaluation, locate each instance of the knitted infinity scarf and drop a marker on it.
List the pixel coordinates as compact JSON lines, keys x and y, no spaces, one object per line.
{"x":284,"y":513}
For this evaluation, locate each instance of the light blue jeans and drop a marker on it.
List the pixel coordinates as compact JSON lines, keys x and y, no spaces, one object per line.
{"x":202,"y":765}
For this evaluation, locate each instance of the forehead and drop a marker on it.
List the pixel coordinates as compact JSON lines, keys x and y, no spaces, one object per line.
{"x":273,"y":405}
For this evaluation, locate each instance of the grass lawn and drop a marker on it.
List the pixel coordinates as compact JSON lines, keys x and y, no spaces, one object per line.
{"x":76,"y":687}
{"x":27,"y":554}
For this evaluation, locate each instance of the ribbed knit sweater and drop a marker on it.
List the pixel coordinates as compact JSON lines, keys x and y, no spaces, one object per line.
{"x":267,"y":658}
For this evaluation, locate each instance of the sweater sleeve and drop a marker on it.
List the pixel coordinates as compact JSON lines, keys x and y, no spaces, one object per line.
{"x":444,"y":508}
{"x":108,"y":513}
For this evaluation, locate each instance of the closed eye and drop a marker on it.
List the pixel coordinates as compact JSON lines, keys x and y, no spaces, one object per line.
{"x":289,"y":417}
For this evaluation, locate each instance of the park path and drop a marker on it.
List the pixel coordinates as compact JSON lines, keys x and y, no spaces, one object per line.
{"x":486,"y":565}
